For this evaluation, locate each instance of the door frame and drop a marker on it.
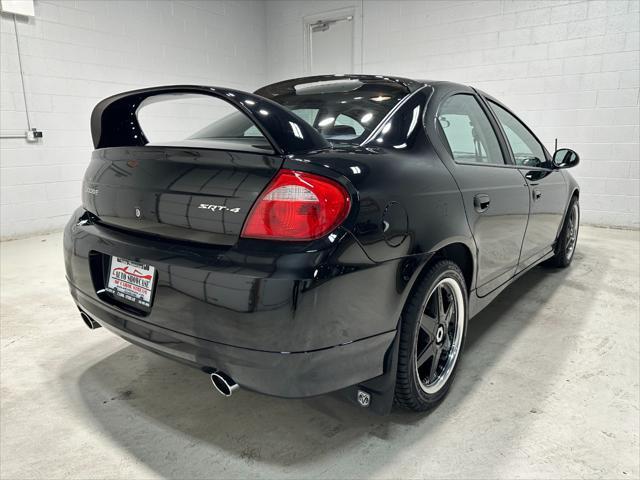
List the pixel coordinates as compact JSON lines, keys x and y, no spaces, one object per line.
{"x":334,"y":15}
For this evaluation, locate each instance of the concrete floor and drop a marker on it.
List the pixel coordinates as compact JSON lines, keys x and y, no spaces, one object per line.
{"x":548,"y":388}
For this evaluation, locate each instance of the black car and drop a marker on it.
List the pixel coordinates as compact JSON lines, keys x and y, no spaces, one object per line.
{"x":333,"y":233}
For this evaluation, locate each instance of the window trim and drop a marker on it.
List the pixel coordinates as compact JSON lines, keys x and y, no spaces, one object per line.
{"x":488,"y":100}
{"x":507,"y":158}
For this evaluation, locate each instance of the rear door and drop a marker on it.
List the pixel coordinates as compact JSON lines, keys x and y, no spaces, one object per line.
{"x":495,"y":195}
{"x":547,"y":187}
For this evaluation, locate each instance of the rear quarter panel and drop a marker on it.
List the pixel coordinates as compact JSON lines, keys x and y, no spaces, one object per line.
{"x":409,"y":204}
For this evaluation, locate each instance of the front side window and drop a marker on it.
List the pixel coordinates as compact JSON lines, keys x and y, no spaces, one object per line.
{"x":467,"y":129}
{"x":525,"y":147}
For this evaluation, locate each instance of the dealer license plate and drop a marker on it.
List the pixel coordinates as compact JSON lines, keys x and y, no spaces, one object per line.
{"x":131,"y":281}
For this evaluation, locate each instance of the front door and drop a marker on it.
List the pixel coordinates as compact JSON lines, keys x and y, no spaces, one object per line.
{"x":547,"y":187}
{"x":495,"y":195}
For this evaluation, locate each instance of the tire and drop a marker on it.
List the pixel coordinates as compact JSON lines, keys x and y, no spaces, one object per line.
{"x":568,"y":238}
{"x":419,"y":385}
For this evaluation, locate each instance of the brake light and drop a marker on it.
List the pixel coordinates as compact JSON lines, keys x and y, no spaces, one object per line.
{"x":297,"y":206}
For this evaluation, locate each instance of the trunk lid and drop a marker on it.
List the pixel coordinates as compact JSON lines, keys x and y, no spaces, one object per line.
{"x":192,"y":194}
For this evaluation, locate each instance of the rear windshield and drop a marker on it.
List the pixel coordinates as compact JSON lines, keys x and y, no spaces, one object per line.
{"x":342,"y":110}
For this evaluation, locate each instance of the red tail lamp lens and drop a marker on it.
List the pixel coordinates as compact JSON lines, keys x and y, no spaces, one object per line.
{"x":297,"y":206}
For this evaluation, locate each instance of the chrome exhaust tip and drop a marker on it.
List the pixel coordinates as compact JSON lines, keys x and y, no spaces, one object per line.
{"x":224,"y":384}
{"x":89,"y":322}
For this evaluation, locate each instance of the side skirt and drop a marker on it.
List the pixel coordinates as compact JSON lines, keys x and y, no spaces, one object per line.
{"x":477,"y":304}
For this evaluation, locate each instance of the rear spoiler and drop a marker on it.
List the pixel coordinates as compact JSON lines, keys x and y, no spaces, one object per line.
{"x":114,"y":122}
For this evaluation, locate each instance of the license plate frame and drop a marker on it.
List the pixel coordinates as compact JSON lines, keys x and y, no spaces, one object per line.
{"x":131,"y":282}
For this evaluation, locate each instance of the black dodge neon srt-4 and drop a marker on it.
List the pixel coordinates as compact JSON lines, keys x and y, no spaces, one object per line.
{"x":331,"y":233}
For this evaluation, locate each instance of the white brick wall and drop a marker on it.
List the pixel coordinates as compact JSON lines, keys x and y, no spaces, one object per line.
{"x":78,"y":52}
{"x":568,"y":68}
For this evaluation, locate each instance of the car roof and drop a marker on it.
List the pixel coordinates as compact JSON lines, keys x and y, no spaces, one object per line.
{"x":410,"y":84}
{"x":371,"y":80}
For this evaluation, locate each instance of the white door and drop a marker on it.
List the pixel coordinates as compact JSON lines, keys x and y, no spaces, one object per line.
{"x":330,"y":46}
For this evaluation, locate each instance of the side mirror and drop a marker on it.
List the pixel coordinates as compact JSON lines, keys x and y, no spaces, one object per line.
{"x":565,"y":158}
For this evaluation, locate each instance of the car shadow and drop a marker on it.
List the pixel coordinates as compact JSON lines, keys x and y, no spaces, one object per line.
{"x":168,"y":417}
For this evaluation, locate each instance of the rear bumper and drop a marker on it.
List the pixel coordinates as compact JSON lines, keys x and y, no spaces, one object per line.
{"x":291,"y":375}
{"x":287,"y":325}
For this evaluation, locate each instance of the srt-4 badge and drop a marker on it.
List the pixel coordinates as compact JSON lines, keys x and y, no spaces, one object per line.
{"x":219,"y":208}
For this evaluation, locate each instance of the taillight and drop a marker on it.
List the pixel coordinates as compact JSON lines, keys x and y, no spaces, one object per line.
{"x":297,"y":206}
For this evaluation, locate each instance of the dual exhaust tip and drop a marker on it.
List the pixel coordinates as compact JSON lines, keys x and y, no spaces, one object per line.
{"x":223,"y":383}
{"x":88,"y":321}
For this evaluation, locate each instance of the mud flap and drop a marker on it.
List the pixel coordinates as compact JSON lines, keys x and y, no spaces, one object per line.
{"x":378,"y":393}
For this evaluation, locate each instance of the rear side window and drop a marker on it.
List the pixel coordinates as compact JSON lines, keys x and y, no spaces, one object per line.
{"x":524,"y":146}
{"x":470,"y":136}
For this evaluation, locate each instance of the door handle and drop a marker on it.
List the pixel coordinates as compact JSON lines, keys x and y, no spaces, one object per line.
{"x":537,"y":194}
{"x":481,"y":202}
